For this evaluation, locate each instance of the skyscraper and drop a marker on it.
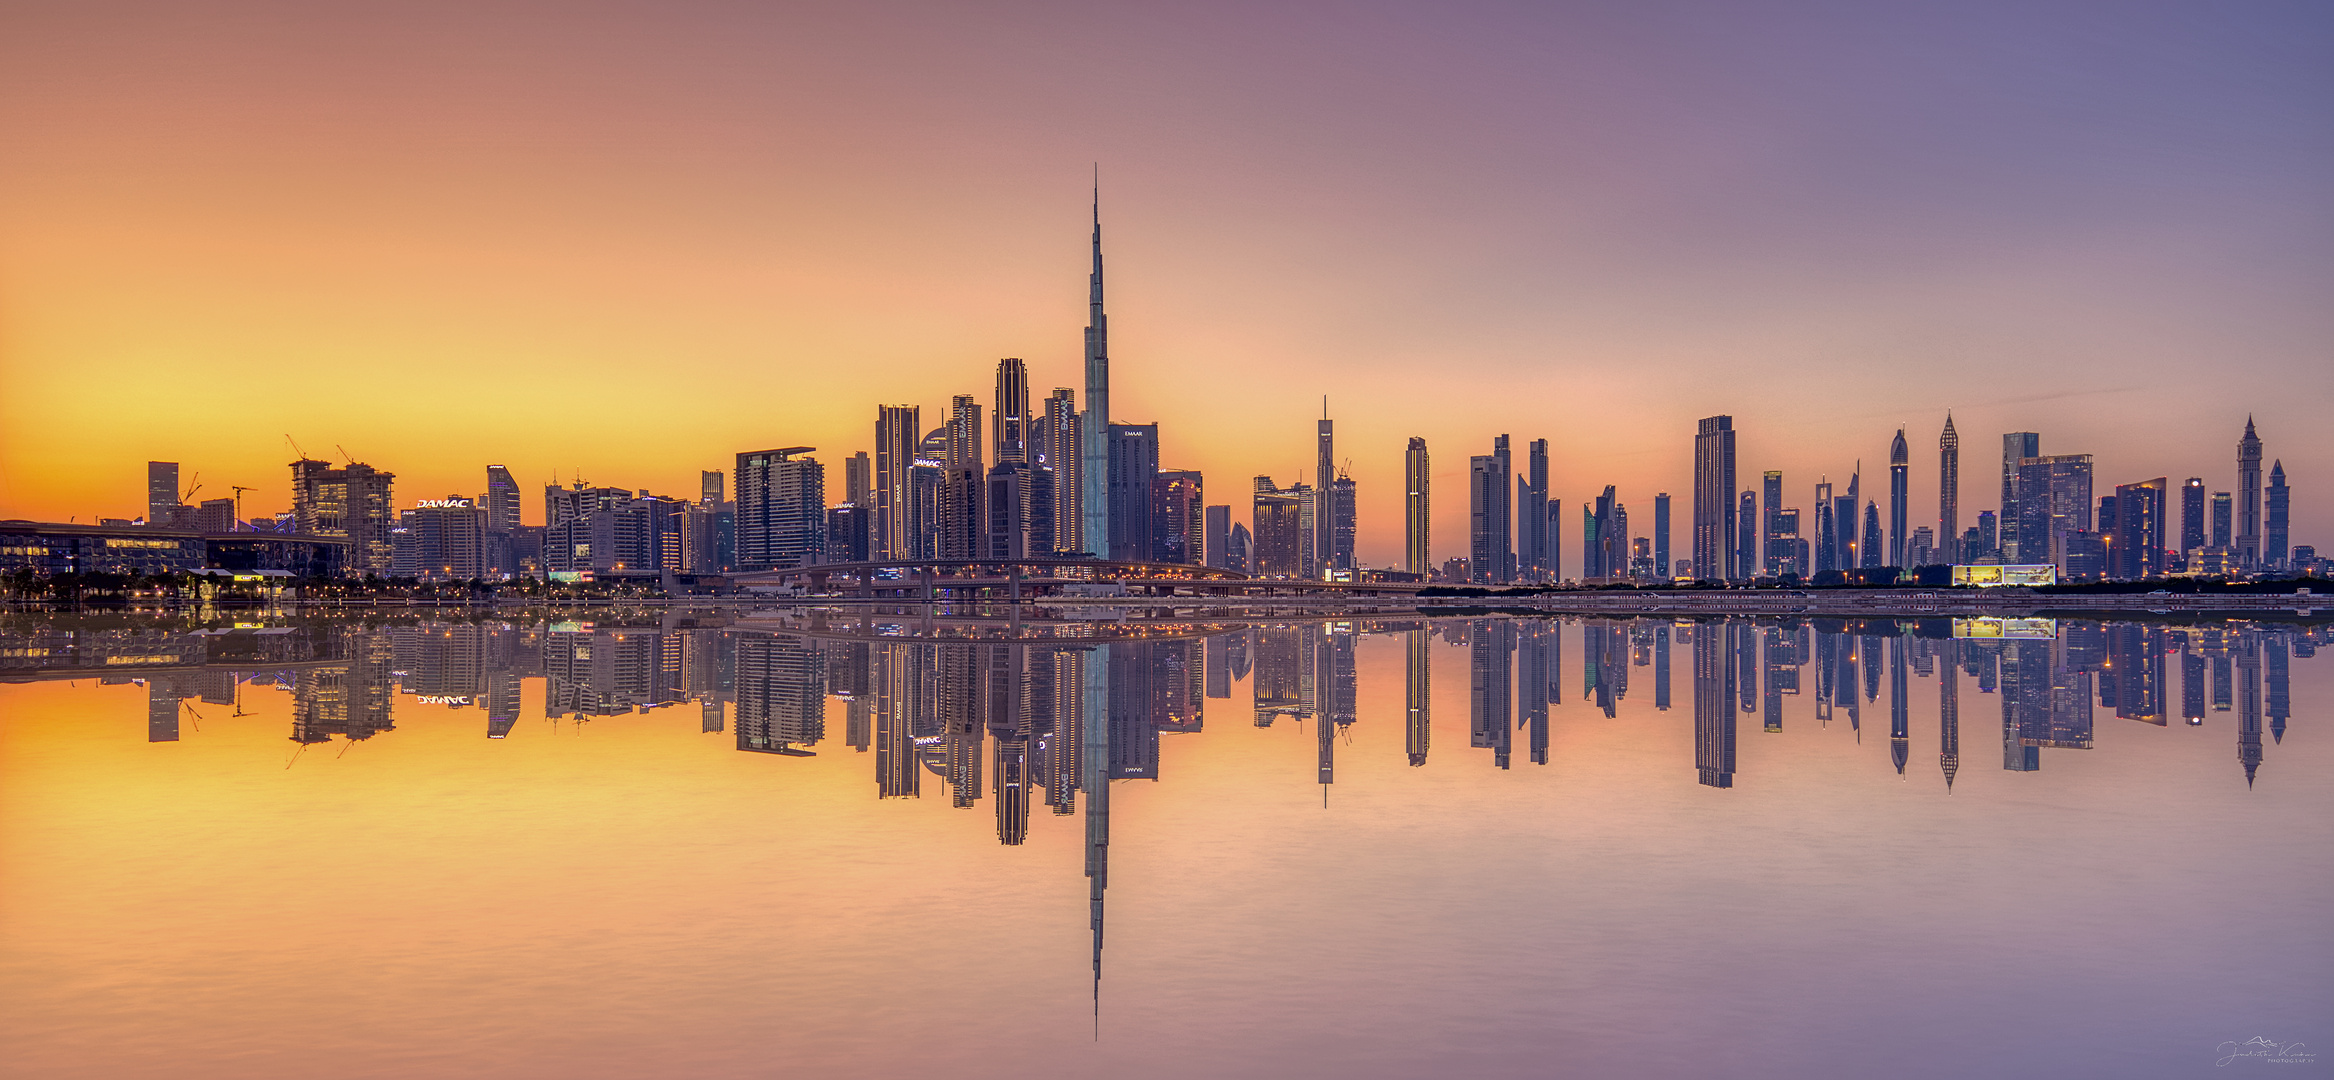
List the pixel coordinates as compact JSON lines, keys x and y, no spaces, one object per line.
{"x":2054,"y":499}
{"x":1324,"y":475}
{"x":1746,"y":547}
{"x":1662,"y":568}
{"x":1019,"y":503}
{"x":2017,"y":446}
{"x":2138,"y":529}
{"x":1827,"y":530}
{"x":2191,"y":516}
{"x":161,"y":491}
{"x":964,"y":487}
{"x":1216,"y":545}
{"x":2222,"y":516}
{"x":898,"y":528}
{"x":1094,"y":463}
{"x":1061,"y":449}
{"x":1899,"y":495}
{"x":1484,"y":484}
{"x":1417,"y":552}
{"x":781,"y":508}
{"x":2249,"y":498}
{"x":502,"y":499}
{"x":1178,"y":516}
{"x":709,"y":486}
{"x":2278,"y":535}
{"x":858,"y":482}
{"x":1503,"y":521}
{"x":1532,"y":515}
{"x":1133,"y":464}
{"x":1949,"y":494}
{"x":1871,"y":547}
{"x":1771,"y":489}
{"x":1714,"y":507}
{"x":1011,"y":431}
{"x":1275,"y":549}
{"x":1342,"y":522}
{"x":353,"y":502}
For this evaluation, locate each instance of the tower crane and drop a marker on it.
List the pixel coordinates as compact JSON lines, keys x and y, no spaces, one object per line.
{"x":239,"y":490}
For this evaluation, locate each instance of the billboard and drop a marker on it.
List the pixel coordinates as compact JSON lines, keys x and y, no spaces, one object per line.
{"x":1989,"y":627}
{"x":1989,"y":576}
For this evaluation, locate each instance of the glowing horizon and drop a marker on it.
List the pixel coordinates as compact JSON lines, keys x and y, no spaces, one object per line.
{"x":636,"y":244}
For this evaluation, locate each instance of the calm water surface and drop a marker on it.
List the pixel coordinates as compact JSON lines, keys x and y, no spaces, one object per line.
{"x":812,"y":844}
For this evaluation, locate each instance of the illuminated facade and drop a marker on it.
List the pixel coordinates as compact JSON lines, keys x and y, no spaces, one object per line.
{"x":1714,"y":506}
{"x":1417,"y":547}
{"x":781,"y":508}
{"x":351,"y":503}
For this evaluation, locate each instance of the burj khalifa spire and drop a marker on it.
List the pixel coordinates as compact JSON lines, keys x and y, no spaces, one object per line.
{"x":1094,"y":430}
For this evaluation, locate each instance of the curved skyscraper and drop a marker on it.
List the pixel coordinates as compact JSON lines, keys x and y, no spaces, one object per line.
{"x":1899,"y":493}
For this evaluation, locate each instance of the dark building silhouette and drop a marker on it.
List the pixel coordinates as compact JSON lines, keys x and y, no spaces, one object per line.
{"x":1490,"y":707}
{"x":1714,"y":692}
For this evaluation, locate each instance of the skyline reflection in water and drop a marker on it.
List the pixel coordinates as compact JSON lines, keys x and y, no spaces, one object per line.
{"x":1634,"y":863}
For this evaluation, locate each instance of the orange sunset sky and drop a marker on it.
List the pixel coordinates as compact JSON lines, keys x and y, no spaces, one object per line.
{"x":633,"y":240}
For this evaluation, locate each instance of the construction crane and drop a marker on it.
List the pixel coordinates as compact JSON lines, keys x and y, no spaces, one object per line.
{"x":297,"y":453}
{"x":344,"y":454}
{"x":239,"y":490}
{"x":188,"y":497}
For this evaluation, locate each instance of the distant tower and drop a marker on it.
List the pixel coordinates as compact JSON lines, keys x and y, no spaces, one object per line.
{"x":1094,"y":464}
{"x":1483,"y":486}
{"x":1746,"y":558}
{"x":1060,"y":448}
{"x":2280,"y":518}
{"x":1324,"y":475}
{"x":1714,"y":508}
{"x":1531,"y":515}
{"x":1899,"y":493}
{"x":161,"y":491}
{"x":1012,"y":434}
{"x":502,"y":499}
{"x":1662,"y":568}
{"x":781,"y":508}
{"x":1417,"y":553}
{"x":2249,"y":498}
{"x":2191,"y":516}
{"x":899,"y":530}
{"x":2017,"y":446}
{"x":1503,"y":523}
{"x":1949,"y":494}
{"x":1769,"y":556}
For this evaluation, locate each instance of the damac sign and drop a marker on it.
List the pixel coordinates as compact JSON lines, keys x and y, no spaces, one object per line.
{"x":442,"y":504}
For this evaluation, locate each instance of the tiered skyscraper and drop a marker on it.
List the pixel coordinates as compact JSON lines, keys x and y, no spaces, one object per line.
{"x":1094,"y":464}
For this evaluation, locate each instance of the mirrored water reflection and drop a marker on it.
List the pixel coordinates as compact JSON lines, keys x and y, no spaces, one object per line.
{"x":1545,"y":891}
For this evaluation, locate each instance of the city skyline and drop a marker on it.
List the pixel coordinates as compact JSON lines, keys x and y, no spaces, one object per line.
{"x":1592,"y":295}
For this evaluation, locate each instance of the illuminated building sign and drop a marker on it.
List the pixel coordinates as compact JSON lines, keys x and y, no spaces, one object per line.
{"x":449,"y":503}
{"x":1989,"y":576}
{"x":1989,"y":627}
